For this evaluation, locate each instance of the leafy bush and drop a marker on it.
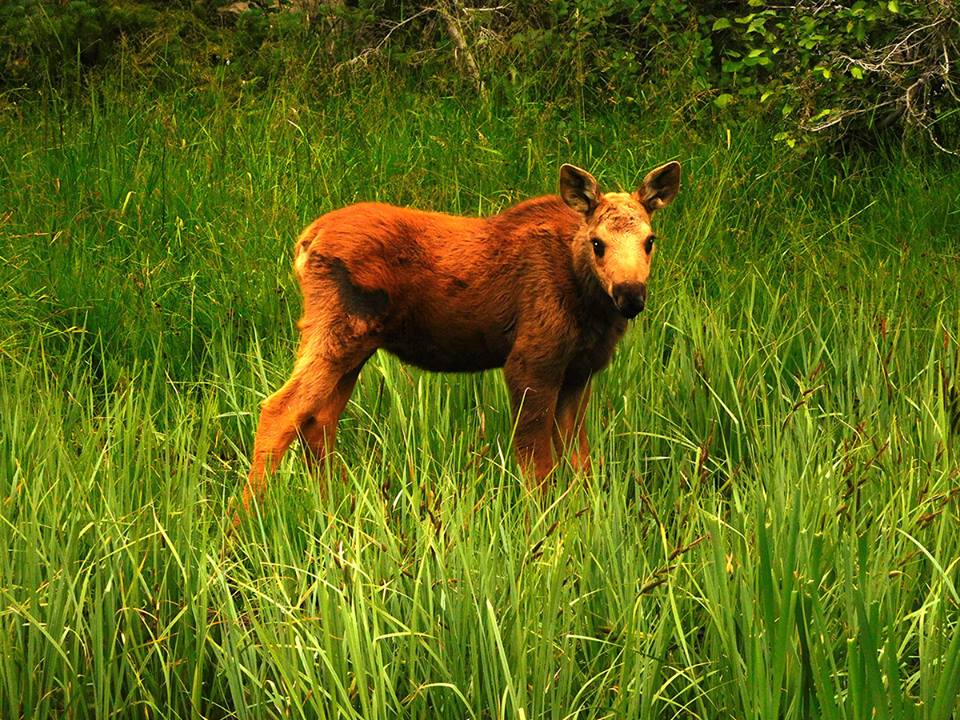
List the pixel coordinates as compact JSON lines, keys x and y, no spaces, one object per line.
{"x":40,"y":37}
{"x":879,"y":63}
{"x":810,"y":66}
{"x":830,"y":66}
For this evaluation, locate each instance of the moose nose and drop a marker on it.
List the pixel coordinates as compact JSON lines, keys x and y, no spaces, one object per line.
{"x":630,"y":298}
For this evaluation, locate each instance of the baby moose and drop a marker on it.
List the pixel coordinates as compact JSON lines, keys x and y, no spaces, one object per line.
{"x":543,"y":290}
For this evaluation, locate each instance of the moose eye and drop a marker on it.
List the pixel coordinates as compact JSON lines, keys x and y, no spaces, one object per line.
{"x":598,"y":247}
{"x":648,"y":245}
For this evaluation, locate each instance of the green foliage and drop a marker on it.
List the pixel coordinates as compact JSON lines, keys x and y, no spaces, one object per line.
{"x":879,"y":62}
{"x":850,"y":68}
{"x":57,"y":38}
{"x":772,"y":533}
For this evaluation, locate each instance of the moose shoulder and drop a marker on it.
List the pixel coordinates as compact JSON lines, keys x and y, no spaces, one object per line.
{"x":543,"y":290}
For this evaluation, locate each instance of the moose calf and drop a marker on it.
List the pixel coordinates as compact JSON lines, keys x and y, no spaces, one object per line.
{"x":543,"y":290}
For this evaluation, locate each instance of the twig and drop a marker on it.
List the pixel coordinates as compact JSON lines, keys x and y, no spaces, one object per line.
{"x":383,"y":41}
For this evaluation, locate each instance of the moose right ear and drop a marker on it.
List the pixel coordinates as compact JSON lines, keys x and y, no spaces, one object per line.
{"x":578,"y":188}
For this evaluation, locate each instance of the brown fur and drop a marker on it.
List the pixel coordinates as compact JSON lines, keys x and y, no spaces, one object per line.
{"x":523,"y":290}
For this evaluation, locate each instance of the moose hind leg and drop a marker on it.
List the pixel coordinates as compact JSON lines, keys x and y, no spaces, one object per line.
{"x":313,"y":393}
{"x":318,"y":434}
{"x":279,"y":422}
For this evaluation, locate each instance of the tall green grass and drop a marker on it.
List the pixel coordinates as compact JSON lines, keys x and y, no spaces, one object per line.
{"x":771,"y":530}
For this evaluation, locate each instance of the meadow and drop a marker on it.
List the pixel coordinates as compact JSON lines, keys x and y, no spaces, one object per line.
{"x":771,"y":529}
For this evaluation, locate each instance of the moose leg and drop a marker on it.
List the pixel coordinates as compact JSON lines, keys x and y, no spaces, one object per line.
{"x":570,"y":432}
{"x":534,"y":398}
{"x":319,"y":432}
{"x":309,"y":404}
{"x":280,"y":420}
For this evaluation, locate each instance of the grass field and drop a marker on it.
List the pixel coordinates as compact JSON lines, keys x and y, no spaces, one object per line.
{"x":772,"y":533}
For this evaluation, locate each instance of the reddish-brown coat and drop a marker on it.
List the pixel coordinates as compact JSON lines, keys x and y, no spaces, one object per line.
{"x":524,"y":290}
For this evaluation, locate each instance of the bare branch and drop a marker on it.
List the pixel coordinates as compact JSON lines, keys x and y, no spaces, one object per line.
{"x":914,"y":69}
{"x":453,"y":29}
{"x":362,"y":57}
{"x":446,"y":11}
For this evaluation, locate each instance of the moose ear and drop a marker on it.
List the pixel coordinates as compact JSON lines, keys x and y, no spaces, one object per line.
{"x":659,"y":187}
{"x":578,"y":188}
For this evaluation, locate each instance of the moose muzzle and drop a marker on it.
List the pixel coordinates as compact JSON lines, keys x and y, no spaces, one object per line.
{"x":630,"y":298}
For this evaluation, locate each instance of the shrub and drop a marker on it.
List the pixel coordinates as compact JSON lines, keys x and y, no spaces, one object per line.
{"x":40,"y":37}
{"x":835,"y":67}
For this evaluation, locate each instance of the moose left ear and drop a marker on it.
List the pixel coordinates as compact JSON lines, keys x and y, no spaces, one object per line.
{"x":659,"y":187}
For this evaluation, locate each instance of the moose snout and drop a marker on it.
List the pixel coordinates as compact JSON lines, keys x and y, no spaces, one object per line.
{"x":630,"y":298}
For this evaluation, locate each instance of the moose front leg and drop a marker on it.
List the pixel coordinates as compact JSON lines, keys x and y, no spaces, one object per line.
{"x":570,"y":432}
{"x":533,"y":395}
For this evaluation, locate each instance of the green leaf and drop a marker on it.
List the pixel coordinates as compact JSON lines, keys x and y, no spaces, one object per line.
{"x":721,"y":24}
{"x":856,"y":72}
{"x":893,"y":6}
{"x":721,"y":101}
